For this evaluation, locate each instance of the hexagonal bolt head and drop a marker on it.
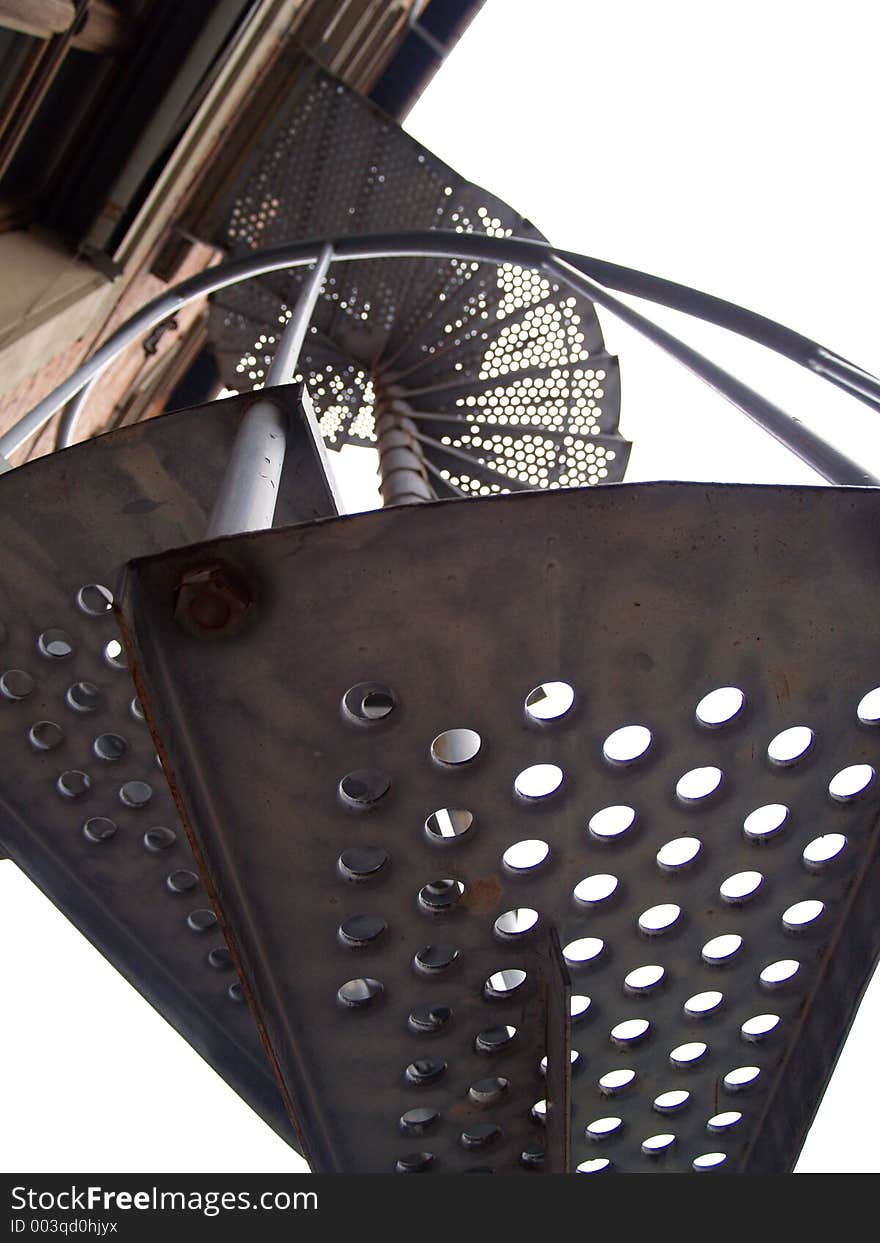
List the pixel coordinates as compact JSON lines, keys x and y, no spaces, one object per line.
{"x":212,"y":602}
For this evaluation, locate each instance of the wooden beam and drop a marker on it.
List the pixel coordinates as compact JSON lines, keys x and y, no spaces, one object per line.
{"x":40,"y":18}
{"x":100,"y":28}
{"x":103,"y":28}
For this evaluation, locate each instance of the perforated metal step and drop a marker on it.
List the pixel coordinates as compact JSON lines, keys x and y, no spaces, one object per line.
{"x":513,"y":367}
{"x":644,"y":718}
{"x":84,"y":807}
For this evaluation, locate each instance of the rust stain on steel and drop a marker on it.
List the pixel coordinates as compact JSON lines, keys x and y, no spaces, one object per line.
{"x":781,"y":687}
{"x":207,"y":876}
{"x":484,"y":895}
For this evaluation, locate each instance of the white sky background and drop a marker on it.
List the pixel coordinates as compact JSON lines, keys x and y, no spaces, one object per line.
{"x":732,"y":147}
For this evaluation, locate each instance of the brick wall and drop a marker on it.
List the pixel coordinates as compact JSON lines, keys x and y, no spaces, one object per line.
{"x":116,"y":384}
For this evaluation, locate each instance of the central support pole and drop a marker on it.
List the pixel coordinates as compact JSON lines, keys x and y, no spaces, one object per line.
{"x":403,"y":477}
{"x":247,"y":499}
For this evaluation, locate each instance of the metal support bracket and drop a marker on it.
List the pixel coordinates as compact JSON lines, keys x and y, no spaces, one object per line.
{"x":84,"y":807}
{"x":271,"y":432}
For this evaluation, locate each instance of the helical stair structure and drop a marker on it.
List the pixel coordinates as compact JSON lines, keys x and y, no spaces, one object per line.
{"x":523,"y":825}
{"x":497,"y":375}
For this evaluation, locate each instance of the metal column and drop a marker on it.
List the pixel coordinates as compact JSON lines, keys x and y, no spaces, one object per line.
{"x":402,"y":473}
{"x":250,"y":489}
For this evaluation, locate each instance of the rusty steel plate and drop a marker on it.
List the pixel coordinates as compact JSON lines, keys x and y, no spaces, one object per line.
{"x":84,"y":807}
{"x":664,"y":739}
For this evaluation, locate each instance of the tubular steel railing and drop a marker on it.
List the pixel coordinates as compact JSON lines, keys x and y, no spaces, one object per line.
{"x":587,"y":276}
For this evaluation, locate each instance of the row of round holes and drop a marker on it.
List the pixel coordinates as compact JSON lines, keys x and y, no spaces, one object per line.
{"x":435,"y":897}
{"x":442,"y":895}
{"x":528,"y":854}
{"x":698,"y":784}
{"x":447,"y":824}
{"x":57,"y":645}
{"x":552,"y":700}
{"x":432,"y":959}
{"x":47,"y":735}
{"x":672,"y":1102}
{"x":421,"y":1162}
{"x":586,"y":951}
{"x":17,"y":684}
{"x":74,"y":783}
{"x":363,"y":788}
{"x":642,"y":981}
{"x":81,"y":697}
{"x":99,"y":830}
{"x":623,"y":746}
{"x":436,"y":958}
{"x":654,"y":1146}
{"x":548,"y":701}
{"x":204,"y":920}
{"x":593,"y":891}
{"x":95,"y":600}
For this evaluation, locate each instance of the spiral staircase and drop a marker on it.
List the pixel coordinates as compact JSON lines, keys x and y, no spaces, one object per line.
{"x":501,"y":374}
{"x":530,"y":834}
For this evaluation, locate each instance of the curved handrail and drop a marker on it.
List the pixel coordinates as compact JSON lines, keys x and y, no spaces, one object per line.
{"x":817,"y":358}
{"x":830,"y":463}
{"x":572,"y":269}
